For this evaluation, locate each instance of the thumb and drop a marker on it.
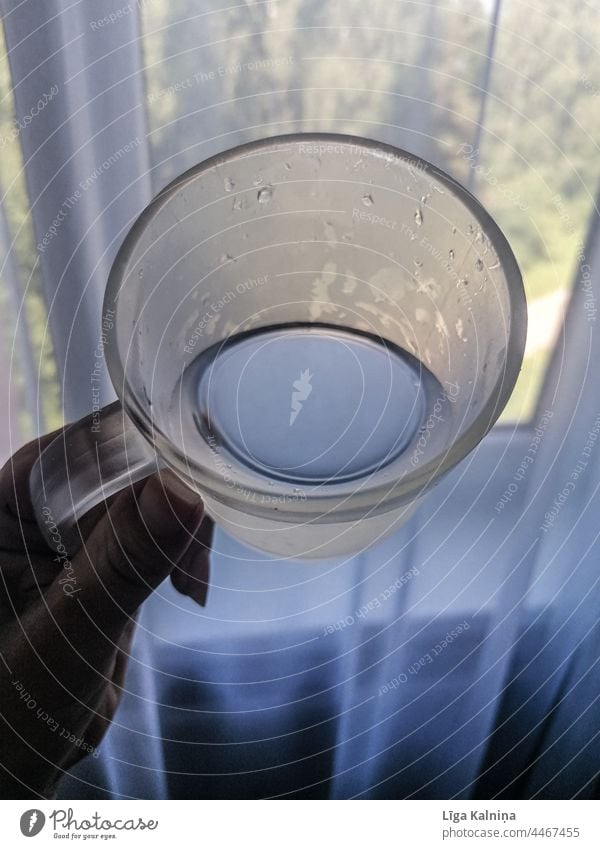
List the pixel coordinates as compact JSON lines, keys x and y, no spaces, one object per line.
{"x":133,"y":548}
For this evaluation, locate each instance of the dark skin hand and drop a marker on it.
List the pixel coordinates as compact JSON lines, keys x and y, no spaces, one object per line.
{"x":64,"y":644}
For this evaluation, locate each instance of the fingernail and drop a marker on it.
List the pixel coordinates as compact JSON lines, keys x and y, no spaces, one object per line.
{"x":191,"y":578}
{"x":194,"y":588}
{"x":197,"y":590}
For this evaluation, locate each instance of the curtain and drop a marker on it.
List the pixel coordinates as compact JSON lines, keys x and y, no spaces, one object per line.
{"x":457,"y":659}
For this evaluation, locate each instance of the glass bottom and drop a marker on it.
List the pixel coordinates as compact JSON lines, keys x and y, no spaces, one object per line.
{"x":310,"y":404}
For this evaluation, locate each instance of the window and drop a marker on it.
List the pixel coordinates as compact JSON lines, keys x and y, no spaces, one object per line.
{"x":410,"y":74}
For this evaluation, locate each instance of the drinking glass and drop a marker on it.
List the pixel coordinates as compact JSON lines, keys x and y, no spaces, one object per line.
{"x":310,"y":331}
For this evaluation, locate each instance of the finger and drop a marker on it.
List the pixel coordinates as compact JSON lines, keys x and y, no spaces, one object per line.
{"x":136,"y":546}
{"x":23,"y":580}
{"x":191,"y":576}
{"x":26,"y":573}
{"x":18,"y":524}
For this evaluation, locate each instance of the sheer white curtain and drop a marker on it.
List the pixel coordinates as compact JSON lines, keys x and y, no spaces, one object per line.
{"x":457,"y":658}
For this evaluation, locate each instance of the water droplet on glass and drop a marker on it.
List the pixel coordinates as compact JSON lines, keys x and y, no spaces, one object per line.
{"x":367,"y":200}
{"x":257,"y":181}
{"x":454,"y":231}
{"x":226,"y":258}
{"x":287,"y":166}
{"x":479,"y":265}
{"x":265,"y":195}
{"x":141,"y":272}
{"x":237,"y":204}
{"x":204,"y":298}
{"x":450,"y":254}
{"x":417,"y":262}
{"x":418,"y":217}
{"x":228,"y":184}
